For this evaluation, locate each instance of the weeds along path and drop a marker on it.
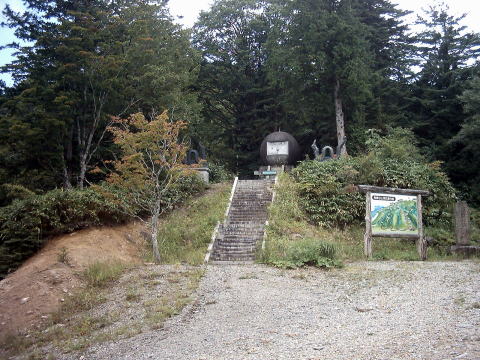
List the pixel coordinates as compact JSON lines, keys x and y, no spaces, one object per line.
{"x":368,"y":310}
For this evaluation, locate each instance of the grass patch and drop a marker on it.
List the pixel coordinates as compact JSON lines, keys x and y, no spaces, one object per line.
{"x":85,"y":299}
{"x":293,"y":241}
{"x":185,"y":234}
{"x":160,"y":309}
{"x":132,"y":295}
{"x":99,"y":274}
{"x":79,"y":324}
{"x":63,"y":257}
{"x":14,"y":343}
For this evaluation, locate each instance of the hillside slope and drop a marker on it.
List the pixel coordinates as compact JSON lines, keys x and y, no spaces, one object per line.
{"x":47,"y":279}
{"x":39,"y":285}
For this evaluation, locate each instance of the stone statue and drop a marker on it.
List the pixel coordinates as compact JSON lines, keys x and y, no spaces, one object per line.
{"x":327,"y":151}
{"x":192,"y":157}
{"x":327,"y":154}
{"x":196,"y":156}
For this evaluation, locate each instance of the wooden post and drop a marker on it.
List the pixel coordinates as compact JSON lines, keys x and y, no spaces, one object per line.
{"x":462,"y":223}
{"x":367,"y":247}
{"x":421,"y":243}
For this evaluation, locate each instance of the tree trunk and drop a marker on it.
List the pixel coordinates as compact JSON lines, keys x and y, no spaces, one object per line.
{"x":83,"y":171}
{"x":339,"y":118}
{"x":67,"y":160}
{"x":154,"y":232}
{"x":67,"y":185}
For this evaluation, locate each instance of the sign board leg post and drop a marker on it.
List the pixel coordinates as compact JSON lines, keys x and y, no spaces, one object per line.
{"x":421,"y":243}
{"x":367,"y":247}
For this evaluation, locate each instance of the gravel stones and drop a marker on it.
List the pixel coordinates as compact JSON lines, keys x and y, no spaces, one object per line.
{"x":367,"y":310}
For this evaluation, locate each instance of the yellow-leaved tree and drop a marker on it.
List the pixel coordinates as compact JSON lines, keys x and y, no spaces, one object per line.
{"x":151,"y":163}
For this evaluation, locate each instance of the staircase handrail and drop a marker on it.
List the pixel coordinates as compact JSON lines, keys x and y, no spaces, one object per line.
{"x":232,"y":193}
{"x":264,"y":240}
{"x":212,"y":243}
{"x":217,"y":228}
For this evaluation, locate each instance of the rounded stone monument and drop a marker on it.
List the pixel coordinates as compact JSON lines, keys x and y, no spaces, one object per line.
{"x":279,"y":148}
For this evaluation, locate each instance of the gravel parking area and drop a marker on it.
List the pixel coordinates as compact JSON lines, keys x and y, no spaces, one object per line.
{"x":367,"y":310}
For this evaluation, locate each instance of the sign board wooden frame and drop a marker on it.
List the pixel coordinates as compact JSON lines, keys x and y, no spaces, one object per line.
{"x":403,"y":195}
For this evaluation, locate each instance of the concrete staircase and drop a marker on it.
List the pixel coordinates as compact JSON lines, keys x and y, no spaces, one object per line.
{"x":243,"y":229}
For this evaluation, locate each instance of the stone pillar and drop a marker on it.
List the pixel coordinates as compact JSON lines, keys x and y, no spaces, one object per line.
{"x":462,"y":223}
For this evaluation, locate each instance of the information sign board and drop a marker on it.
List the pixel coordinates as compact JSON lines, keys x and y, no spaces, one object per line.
{"x":394,"y":214}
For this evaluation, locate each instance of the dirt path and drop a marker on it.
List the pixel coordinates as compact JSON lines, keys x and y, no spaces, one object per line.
{"x":376,"y":310}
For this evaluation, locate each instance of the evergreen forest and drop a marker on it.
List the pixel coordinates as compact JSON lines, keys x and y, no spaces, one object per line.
{"x":245,"y":69}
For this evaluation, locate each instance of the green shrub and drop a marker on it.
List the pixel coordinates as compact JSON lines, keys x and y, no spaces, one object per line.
{"x":289,"y":224}
{"x":291,"y":242}
{"x":26,"y":224}
{"x":218,"y":173}
{"x":327,"y":191}
{"x":308,"y":252}
{"x":11,"y":192}
{"x":182,"y":190}
{"x":324,"y":193}
{"x":475,"y":225}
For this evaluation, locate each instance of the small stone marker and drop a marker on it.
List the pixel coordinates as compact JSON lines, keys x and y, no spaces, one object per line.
{"x":462,"y":223}
{"x":462,"y":231}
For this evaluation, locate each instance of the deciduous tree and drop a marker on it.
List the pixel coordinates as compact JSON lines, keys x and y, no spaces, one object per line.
{"x":150,"y":165}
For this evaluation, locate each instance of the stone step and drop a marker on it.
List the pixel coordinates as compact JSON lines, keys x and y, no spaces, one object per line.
{"x":235,"y":246}
{"x":247,"y":249}
{"x":244,"y":227}
{"x":231,"y":262}
{"x":245,"y":212}
{"x":248,"y":209}
{"x":244,"y":224}
{"x":240,"y":238}
{"x":241,"y":214}
{"x":246,"y":232}
{"x":237,"y":234}
{"x":241,"y":243}
{"x":234,"y":252}
{"x":222,"y":257}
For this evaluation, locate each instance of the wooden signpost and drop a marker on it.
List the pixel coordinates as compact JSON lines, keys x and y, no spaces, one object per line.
{"x":395,"y":213}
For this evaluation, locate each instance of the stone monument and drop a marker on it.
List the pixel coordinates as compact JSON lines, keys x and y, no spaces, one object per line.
{"x":198,"y":160}
{"x":462,"y":231}
{"x":327,"y":152}
{"x":279,"y":151}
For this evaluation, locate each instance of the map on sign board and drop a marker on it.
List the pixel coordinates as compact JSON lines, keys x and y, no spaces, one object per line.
{"x":394,"y":214}
{"x":277,"y":148}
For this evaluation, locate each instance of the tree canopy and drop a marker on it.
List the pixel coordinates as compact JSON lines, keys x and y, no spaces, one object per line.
{"x":324,"y":70}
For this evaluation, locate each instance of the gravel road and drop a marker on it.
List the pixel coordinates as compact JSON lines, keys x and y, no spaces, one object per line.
{"x":367,"y":310}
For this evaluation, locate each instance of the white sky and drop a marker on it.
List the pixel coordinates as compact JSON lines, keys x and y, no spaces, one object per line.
{"x":189,"y":10}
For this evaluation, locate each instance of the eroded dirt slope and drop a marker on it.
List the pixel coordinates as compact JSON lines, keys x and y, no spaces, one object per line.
{"x":39,"y":285}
